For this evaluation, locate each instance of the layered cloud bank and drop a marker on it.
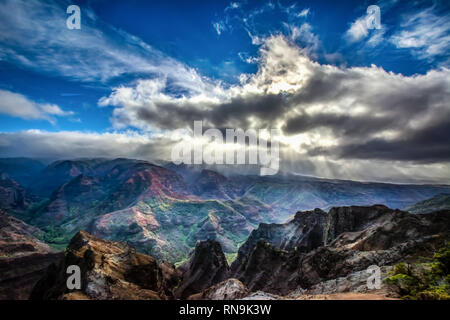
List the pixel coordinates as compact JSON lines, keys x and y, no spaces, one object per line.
{"x":322,"y":110}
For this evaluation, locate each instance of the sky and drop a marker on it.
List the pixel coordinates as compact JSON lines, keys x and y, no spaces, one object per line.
{"x":350,"y":101}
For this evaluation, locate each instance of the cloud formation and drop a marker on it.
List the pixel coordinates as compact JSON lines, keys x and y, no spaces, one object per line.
{"x":70,"y":144}
{"x":426,"y":33}
{"x":351,"y":113}
{"x":33,"y":34}
{"x":17,"y":105}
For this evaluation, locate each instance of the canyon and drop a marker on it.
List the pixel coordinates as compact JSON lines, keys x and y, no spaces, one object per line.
{"x":138,"y":230}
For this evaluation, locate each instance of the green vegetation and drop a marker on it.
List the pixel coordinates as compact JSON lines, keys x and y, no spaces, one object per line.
{"x":179,"y":263}
{"x":33,"y":210}
{"x":56,"y":237}
{"x":438,"y":202}
{"x":424,"y":281}
{"x":230,"y":257}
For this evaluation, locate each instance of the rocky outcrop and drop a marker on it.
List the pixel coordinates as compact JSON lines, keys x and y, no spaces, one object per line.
{"x":351,"y":219}
{"x":353,"y":282}
{"x":303,"y":233}
{"x":109,"y":270}
{"x":354,"y":238}
{"x":18,"y":238}
{"x":23,"y":257}
{"x":206,"y":266}
{"x":230,"y":289}
{"x":261,"y":295}
{"x":12,"y":194}
{"x":314,"y":256}
{"x":345,"y":296}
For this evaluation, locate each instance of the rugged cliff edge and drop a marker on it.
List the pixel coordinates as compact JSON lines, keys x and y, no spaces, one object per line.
{"x":205,"y":267}
{"x":352,"y":239}
{"x":316,"y":255}
{"x":109,"y":270}
{"x":23,"y":257}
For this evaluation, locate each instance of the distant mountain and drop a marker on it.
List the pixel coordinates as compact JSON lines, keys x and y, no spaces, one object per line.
{"x":60,"y":172}
{"x":22,"y":170}
{"x":438,"y":202}
{"x":149,"y":206}
{"x":164,"y":211}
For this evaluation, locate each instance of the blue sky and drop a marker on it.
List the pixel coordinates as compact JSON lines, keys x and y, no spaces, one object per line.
{"x":104,"y":79}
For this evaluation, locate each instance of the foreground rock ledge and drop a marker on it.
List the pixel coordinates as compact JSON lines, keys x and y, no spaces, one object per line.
{"x":109,"y":270}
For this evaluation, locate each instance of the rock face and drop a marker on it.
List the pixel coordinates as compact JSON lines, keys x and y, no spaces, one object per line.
{"x":261,"y":295}
{"x":18,"y":238}
{"x":303,"y":233}
{"x":109,"y":270}
{"x":23,"y":258}
{"x":207,"y":266}
{"x":353,"y":239}
{"x":352,"y":219}
{"x":230,"y":289}
{"x":12,"y":194}
{"x":355,"y":282}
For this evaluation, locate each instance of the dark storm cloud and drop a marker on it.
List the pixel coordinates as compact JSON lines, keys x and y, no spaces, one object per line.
{"x":233,"y":114}
{"x":341,"y":125}
{"x":426,"y":145}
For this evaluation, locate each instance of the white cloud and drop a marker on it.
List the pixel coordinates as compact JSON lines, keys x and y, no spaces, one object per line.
{"x":256,"y":40}
{"x":248,"y":59}
{"x":17,"y":105}
{"x":53,"y":109}
{"x":233,"y":5}
{"x":425,"y":33}
{"x":305,"y":36}
{"x":33,"y":34}
{"x":303,"y":13}
{"x":358,"y":30}
{"x":376,"y":38}
{"x":219,"y":27}
{"x":364,"y":27}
